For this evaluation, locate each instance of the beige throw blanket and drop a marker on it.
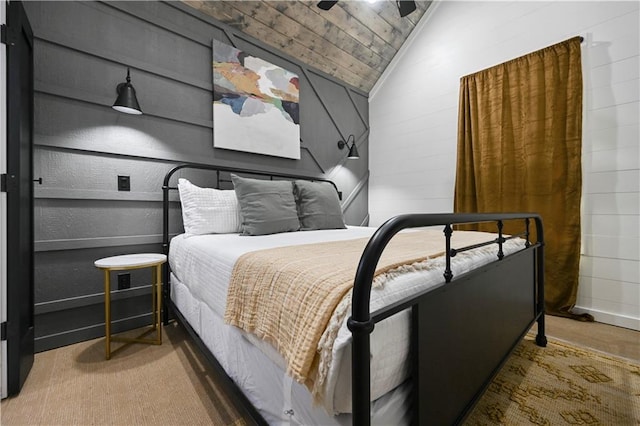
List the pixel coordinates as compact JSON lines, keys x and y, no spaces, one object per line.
{"x":287,"y":295}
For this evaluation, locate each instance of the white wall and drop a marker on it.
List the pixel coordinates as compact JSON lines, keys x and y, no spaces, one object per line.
{"x":414,"y":112}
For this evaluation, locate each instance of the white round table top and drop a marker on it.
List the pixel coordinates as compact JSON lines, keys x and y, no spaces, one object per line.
{"x":139,"y":260}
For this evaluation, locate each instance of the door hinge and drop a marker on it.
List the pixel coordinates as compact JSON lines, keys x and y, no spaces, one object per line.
{"x":3,"y":331}
{"x":7,"y":36}
{"x":3,"y":182}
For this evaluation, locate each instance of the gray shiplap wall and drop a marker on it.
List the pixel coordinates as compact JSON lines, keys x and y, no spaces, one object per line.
{"x":82,"y":50}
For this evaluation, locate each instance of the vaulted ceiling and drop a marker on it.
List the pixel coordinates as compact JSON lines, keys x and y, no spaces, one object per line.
{"x":354,"y":41}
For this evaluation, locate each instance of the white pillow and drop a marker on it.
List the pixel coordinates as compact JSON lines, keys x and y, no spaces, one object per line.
{"x":208,"y":210}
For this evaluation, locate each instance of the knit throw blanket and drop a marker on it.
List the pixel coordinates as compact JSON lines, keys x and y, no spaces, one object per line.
{"x":287,"y":295}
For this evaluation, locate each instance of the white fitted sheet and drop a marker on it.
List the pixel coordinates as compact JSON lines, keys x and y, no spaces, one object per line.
{"x":203,"y":264}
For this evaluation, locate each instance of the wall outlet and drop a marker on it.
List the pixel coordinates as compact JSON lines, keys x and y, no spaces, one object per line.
{"x":124,"y":183}
{"x":124,"y":281}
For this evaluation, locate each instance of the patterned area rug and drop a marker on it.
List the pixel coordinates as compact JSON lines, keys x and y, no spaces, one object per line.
{"x":561,"y":385}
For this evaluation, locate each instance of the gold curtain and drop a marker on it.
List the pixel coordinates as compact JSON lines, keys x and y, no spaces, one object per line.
{"x":519,"y":150}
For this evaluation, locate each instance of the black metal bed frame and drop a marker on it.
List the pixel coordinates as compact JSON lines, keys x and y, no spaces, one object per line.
{"x":462,"y":331}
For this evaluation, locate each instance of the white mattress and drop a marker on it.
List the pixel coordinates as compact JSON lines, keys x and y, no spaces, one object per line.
{"x":279,"y":399}
{"x":203,"y":266}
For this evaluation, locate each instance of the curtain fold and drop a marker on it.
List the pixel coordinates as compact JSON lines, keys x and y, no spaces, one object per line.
{"x":519,"y":150}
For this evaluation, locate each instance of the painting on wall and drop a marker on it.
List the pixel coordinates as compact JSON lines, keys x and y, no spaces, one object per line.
{"x":255,"y":104}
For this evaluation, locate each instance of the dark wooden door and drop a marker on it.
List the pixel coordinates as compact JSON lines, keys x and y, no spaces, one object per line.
{"x":19,"y":185}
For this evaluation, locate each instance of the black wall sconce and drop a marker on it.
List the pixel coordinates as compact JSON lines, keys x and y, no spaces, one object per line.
{"x":127,"y":101}
{"x":353,"y":150}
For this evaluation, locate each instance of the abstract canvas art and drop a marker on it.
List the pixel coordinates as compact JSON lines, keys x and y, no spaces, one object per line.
{"x":255,"y":104}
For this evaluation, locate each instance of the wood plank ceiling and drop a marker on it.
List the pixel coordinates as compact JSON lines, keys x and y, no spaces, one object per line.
{"x":354,"y":41}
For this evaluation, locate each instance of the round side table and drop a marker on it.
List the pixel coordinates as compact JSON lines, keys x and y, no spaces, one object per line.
{"x":129,"y":262}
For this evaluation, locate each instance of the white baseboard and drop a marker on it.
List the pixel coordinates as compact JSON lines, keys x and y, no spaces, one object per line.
{"x":611,"y":318}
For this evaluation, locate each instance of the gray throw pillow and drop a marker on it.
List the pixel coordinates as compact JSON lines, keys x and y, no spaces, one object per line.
{"x":318,"y":205}
{"x":266,"y":207}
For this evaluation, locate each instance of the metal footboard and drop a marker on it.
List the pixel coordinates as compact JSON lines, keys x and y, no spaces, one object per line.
{"x":480,"y":316}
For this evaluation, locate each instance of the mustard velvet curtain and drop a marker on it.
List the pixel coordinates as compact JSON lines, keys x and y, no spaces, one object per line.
{"x":519,"y":150}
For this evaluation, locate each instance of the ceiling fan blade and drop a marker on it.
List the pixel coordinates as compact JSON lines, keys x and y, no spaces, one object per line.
{"x":326,"y":5}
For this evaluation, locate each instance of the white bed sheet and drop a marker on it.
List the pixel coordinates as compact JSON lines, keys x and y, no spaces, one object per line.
{"x":203,"y":264}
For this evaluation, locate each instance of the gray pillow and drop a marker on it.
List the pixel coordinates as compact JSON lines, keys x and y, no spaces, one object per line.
{"x":266,"y":207}
{"x":318,"y":205}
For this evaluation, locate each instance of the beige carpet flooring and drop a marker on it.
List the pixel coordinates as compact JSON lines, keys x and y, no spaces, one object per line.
{"x":141,"y":385}
{"x":172,"y":385}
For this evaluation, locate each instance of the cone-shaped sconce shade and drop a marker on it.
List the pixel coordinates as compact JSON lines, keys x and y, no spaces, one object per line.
{"x":353,"y":152}
{"x":127,"y":101}
{"x":353,"y":149}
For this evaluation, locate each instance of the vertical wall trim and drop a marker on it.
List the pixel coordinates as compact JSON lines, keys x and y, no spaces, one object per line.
{"x":3,"y":203}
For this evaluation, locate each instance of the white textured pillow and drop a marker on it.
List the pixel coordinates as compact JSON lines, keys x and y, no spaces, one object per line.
{"x":208,"y":210}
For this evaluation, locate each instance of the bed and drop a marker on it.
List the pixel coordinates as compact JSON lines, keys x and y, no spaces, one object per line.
{"x":413,"y":342}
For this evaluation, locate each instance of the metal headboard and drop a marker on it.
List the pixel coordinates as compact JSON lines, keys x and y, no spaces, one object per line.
{"x":217,"y":169}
